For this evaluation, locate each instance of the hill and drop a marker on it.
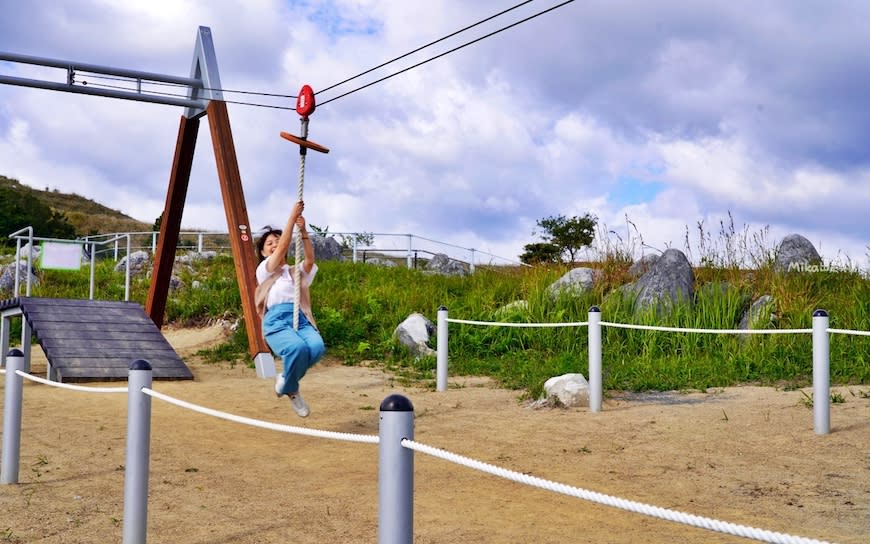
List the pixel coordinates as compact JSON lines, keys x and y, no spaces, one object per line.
{"x":85,"y":215}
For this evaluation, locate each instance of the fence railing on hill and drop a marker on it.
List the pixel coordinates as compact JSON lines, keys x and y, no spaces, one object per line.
{"x":358,"y":245}
{"x":820,"y":353}
{"x":396,"y":447}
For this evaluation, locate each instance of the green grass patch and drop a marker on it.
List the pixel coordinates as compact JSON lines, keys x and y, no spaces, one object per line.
{"x":359,"y":306}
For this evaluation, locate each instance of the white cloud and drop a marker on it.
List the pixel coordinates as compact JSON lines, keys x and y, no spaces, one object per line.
{"x":722,"y":110}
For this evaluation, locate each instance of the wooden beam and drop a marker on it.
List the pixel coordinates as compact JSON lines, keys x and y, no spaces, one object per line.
{"x":170,"y":225}
{"x":304,"y":142}
{"x":240,"y":232}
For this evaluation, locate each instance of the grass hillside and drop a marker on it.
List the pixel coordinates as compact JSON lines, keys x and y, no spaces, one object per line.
{"x":358,"y":307}
{"x":85,"y":215}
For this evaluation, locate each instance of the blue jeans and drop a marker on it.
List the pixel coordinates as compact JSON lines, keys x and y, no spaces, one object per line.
{"x":299,"y":350}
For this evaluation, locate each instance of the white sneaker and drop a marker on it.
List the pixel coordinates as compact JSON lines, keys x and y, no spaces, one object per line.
{"x":299,"y":405}
{"x":279,"y":385}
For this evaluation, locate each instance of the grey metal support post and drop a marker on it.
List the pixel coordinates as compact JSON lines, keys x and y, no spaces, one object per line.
{"x":17,"y":266}
{"x":12,"y":418}
{"x":472,"y":261}
{"x":127,"y":272}
{"x":821,"y":373}
{"x":595,"y":386}
{"x":441,"y":350}
{"x":410,"y":251}
{"x":26,"y":333}
{"x":93,"y":266}
{"x":137,"y":455}
{"x":5,"y":331}
{"x":395,"y":472}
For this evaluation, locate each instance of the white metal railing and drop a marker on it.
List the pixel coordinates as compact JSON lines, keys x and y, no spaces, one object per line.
{"x":92,"y":244}
{"x":220,"y":241}
{"x":17,"y":236}
{"x":407,"y":244}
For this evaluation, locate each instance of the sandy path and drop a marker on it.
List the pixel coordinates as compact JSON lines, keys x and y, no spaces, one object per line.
{"x":746,"y":455}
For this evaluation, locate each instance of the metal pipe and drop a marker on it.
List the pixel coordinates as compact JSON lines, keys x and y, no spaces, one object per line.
{"x":821,"y":373}
{"x":93,"y":264}
{"x":138,"y":449}
{"x":94,"y":68}
{"x":127,"y":273}
{"x":12,"y":418}
{"x":17,"y":266}
{"x":441,"y":350}
{"x":595,"y":381}
{"x":109,"y":93}
{"x":395,"y":472}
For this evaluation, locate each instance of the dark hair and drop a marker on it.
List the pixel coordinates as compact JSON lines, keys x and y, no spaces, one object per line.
{"x":261,"y":241}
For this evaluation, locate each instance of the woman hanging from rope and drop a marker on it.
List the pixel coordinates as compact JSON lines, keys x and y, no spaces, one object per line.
{"x":299,"y":346}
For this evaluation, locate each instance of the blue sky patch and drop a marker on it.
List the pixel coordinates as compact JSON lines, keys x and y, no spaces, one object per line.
{"x":328,"y":17}
{"x":629,"y":191}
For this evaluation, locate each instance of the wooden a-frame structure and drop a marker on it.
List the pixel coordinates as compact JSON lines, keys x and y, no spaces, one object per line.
{"x":240,"y":233}
{"x":204,"y":97}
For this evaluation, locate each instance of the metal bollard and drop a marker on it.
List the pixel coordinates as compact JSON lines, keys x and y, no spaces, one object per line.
{"x":821,"y":373}
{"x":395,"y":472}
{"x":595,"y":380}
{"x":137,"y":454}
{"x":441,"y":350}
{"x":12,"y":418}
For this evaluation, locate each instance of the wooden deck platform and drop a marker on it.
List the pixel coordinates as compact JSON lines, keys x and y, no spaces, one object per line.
{"x":96,"y":340}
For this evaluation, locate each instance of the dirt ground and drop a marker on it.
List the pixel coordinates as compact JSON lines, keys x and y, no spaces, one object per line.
{"x":745,"y":455}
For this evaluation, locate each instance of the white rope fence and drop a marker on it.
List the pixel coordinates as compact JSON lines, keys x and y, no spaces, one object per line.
{"x":704,"y":331}
{"x":349,"y":437}
{"x":527,"y":325}
{"x":821,"y":352}
{"x":643,"y":327}
{"x":69,"y":386}
{"x":651,"y":327}
{"x":616,"y":502}
{"x":847,"y":331}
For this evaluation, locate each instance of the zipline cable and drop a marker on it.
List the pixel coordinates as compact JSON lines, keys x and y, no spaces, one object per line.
{"x":491,"y":17}
{"x":447,"y":52}
{"x":278,"y":95}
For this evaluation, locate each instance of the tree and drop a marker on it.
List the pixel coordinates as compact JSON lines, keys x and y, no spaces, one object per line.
{"x":541,"y":252}
{"x":19,"y":210}
{"x":568,"y":234}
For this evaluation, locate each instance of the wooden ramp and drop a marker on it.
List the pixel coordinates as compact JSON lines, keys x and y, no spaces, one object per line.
{"x":96,"y":340}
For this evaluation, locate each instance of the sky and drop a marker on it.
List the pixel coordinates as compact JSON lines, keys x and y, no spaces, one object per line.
{"x":700,"y":126}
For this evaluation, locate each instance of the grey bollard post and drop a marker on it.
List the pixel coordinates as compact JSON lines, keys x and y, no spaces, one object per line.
{"x":595,"y":380}
{"x":395,"y":472}
{"x":441,"y":350}
{"x":138,"y":451}
{"x":821,"y":373}
{"x":12,"y":418}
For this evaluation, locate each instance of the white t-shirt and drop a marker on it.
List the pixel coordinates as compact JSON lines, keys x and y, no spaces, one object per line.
{"x":284,"y":290}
